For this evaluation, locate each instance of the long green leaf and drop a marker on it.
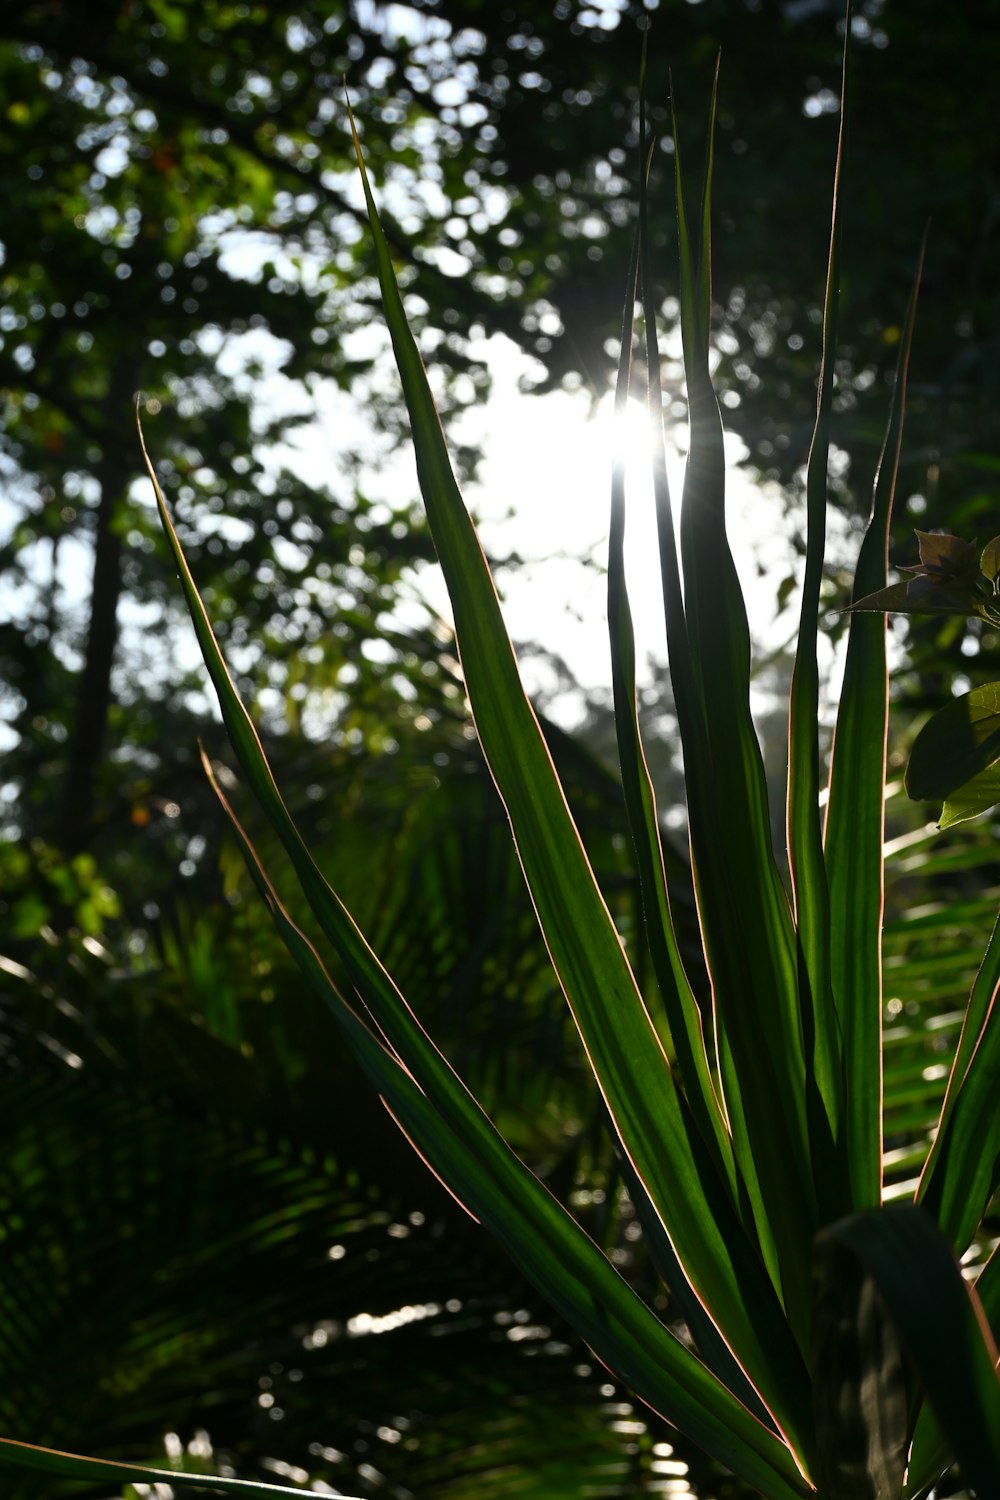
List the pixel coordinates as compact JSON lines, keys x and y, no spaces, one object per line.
{"x":854,"y":824}
{"x":963,"y":1167}
{"x":633,"y":1072}
{"x":825,"y":1097}
{"x":683,"y":1015}
{"x":682,"y":1011}
{"x":681,"y":1008}
{"x":548,"y":1245}
{"x":91,"y":1470}
{"x":746,"y":922}
{"x":690,"y":715}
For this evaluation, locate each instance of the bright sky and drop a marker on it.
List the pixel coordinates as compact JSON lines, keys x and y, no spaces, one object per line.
{"x":544,"y":493}
{"x":550,"y":460}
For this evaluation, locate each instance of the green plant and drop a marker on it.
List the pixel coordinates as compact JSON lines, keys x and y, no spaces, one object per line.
{"x":955,"y":758}
{"x":833,"y":1345}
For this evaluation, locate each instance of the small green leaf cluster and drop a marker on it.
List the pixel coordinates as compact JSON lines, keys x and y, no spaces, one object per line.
{"x":955,"y":758}
{"x":948,"y":580}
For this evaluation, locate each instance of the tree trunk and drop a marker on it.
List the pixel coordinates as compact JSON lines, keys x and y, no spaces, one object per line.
{"x":93,"y":707}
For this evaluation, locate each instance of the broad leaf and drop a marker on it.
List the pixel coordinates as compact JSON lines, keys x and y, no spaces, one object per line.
{"x":975,"y":797}
{"x":955,"y":756}
{"x":914,"y":596}
{"x":946,"y":557}
{"x":681,"y":1009}
{"x":945,"y":583}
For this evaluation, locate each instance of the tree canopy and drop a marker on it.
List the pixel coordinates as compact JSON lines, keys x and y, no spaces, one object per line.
{"x":181,"y":214}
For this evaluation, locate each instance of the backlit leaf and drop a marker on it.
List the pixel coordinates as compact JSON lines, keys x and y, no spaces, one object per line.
{"x":90,"y":1470}
{"x":958,"y":744}
{"x":989,"y":563}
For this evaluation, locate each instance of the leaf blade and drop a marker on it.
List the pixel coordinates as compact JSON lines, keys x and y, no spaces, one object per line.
{"x":962,"y":1168}
{"x":955,"y":756}
{"x":855,"y":820}
{"x":90,"y":1470}
{"x":823,"y":1041}
{"x":746,"y":922}
{"x":682,"y":1011}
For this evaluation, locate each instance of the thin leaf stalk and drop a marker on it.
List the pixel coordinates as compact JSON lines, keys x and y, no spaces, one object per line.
{"x":959,"y":1177}
{"x":682,"y":1012}
{"x":854,"y":830}
{"x":702,"y":826}
{"x":683,"y":1017}
{"x":825,"y":1080}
